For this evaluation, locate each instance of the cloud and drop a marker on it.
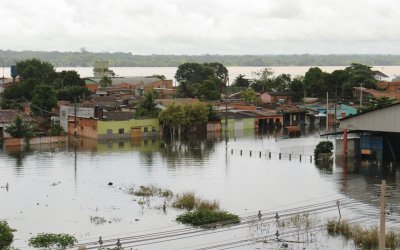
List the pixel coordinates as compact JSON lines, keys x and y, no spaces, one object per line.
{"x":198,"y":27}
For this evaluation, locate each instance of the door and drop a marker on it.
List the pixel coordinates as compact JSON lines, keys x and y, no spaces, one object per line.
{"x":136,"y":132}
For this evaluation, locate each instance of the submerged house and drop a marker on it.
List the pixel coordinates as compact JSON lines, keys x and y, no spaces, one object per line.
{"x":113,"y":125}
{"x":379,"y":133}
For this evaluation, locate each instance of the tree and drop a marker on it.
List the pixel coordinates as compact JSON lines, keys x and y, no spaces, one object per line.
{"x":105,"y":82}
{"x":358,"y":74}
{"x":297,"y":88}
{"x":147,"y":106}
{"x":195,"y":78}
{"x":241,"y":81}
{"x":339,"y":77}
{"x":172,"y":117}
{"x":379,"y":102}
{"x":20,"y":129}
{"x":34,"y":68}
{"x":212,"y":113}
{"x":70,"y":78}
{"x":69,"y":93}
{"x":6,"y":235}
{"x":43,"y":100}
{"x":314,"y":82}
{"x":282,"y":82}
{"x":210,"y":89}
{"x":249,"y":95}
{"x":220,"y":71}
{"x":194,"y":114}
{"x":263,"y":80}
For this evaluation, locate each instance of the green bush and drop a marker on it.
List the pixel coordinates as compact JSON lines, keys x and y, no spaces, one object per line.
{"x":6,"y":235}
{"x":48,"y":240}
{"x":207,"y":218}
{"x":56,"y":130}
{"x":323,"y":147}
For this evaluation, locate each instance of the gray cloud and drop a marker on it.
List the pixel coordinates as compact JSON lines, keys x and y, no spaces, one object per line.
{"x":198,"y":27}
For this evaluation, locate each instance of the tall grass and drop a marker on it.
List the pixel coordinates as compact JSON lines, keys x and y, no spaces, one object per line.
{"x":365,"y":238}
{"x":189,"y":201}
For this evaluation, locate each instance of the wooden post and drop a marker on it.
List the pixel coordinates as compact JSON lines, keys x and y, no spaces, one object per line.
{"x":290,"y":157}
{"x":280,"y":156}
{"x":231,"y":151}
{"x":250,"y":153}
{"x":300,"y":157}
{"x":269,"y":154}
{"x":382,"y":220}
{"x":240,"y":152}
{"x":260,"y":154}
{"x":345,"y":142}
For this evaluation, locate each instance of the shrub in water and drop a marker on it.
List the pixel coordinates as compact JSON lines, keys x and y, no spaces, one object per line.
{"x":48,"y":240}
{"x":323,"y":147}
{"x":207,"y":218}
{"x":6,"y":235}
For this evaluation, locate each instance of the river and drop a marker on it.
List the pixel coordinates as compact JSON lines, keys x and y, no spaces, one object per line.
{"x":169,"y":72}
{"x":59,"y":188}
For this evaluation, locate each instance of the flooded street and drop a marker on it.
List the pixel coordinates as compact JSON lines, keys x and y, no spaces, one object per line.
{"x":62,"y":188}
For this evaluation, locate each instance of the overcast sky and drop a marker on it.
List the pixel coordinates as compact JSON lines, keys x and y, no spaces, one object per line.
{"x":202,"y":26}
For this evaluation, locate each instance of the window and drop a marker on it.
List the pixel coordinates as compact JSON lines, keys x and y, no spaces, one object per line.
{"x":109,"y":131}
{"x":121,"y":131}
{"x":153,"y":129}
{"x":145,"y":130}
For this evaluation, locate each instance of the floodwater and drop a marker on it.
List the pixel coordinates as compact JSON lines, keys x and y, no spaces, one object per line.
{"x":169,"y":72}
{"x":59,"y":188}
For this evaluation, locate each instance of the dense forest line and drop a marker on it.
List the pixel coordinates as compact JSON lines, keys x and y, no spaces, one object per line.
{"x":121,"y":59}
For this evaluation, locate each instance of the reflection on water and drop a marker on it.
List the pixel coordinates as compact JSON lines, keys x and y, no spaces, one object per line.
{"x":58,"y":188}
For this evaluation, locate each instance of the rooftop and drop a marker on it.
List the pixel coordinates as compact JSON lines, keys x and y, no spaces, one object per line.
{"x":8,"y":116}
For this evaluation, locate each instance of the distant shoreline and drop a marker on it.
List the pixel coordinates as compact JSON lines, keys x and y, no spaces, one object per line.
{"x":121,"y":59}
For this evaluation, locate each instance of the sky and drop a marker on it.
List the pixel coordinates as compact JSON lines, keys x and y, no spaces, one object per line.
{"x":202,"y":26}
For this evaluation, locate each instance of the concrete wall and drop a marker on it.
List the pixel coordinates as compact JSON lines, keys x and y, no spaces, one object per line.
{"x":110,"y":129}
{"x":85,"y":127}
{"x":12,"y":142}
{"x":381,"y":120}
{"x":69,"y":110}
{"x":239,"y":124}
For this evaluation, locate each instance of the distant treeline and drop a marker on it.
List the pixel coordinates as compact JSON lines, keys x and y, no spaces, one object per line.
{"x":120,"y":59}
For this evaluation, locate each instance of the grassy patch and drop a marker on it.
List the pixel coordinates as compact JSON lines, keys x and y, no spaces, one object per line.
{"x":185,"y":201}
{"x":98,"y":220}
{"x":208,"y":219}
{"x":365,"y":238}
{"x":189,"y":201}
{"x":150,"y":191}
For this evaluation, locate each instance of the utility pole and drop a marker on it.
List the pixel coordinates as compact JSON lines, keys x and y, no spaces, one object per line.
{"x":226,"y":110}
{"x":75,"y":121}
{"x":361,"y":94}
{"x":382,"y":219}
{"x":327,"y":113}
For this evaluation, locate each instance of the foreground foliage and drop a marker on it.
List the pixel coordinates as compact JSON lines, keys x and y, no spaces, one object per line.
{"x":208,"y":219}
{"x":365,"y":238}
{"x":48,"y":240}
{"x":6,"y":235}
{"x":20,"y":129}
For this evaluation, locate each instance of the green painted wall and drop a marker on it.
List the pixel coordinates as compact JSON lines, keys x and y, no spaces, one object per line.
{"x":234,"y":124}
{"x":103,"y":126}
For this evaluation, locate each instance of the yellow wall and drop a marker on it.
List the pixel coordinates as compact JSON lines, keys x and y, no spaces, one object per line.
{"x":103,"y":126}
